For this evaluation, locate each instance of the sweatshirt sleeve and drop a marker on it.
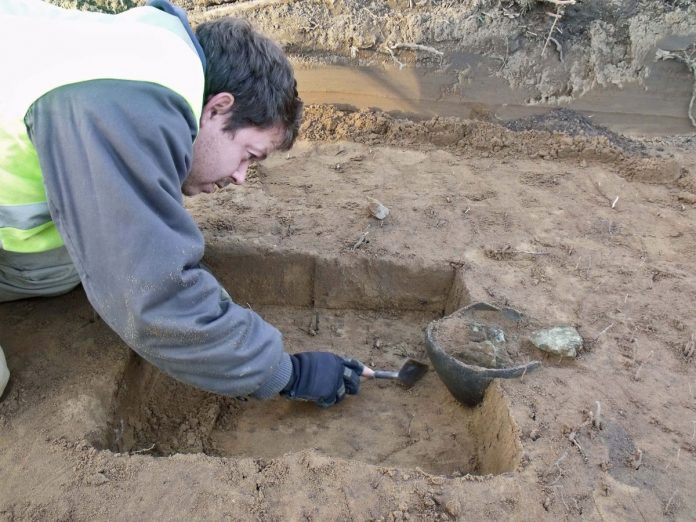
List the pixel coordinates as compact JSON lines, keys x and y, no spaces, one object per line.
{"x":113,"y":155}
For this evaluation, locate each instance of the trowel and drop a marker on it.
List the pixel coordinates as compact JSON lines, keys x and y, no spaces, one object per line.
{"x":408,"y":375}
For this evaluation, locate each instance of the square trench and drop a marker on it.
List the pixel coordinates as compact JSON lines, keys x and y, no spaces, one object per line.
{"x":367,"y":308}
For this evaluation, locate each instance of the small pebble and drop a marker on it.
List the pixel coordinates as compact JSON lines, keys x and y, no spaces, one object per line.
{"x":376,"y":208}
{"x":453,"y":507}
{"x":97,"y":479}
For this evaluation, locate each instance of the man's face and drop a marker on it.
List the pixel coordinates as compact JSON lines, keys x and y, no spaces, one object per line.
{"x":221,"y":157}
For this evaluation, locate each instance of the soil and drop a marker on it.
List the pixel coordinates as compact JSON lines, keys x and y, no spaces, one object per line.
{"x":486,"y":338}
{"x":570,"y":222}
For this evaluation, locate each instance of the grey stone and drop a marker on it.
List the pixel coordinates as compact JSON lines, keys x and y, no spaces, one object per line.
{"x":453,"y":507}
{"x":377,"y":209}
{"x":559,"y":340}
{"x":97,"y":479}
{"x":480,"y":354}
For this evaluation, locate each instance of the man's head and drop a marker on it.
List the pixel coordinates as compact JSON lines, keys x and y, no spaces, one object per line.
{"x":251,"y":104}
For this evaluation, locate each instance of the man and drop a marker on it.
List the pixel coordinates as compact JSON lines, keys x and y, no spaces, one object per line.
{"x":104,"y":121}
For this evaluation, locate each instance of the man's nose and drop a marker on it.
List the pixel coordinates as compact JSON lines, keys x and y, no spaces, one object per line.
{"x":240,"y":174}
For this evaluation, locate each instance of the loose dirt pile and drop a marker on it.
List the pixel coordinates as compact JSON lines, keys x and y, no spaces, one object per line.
{"x":554,"y":216}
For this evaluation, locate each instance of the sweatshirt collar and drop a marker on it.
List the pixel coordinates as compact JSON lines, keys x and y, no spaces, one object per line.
{"x":167,"y":7}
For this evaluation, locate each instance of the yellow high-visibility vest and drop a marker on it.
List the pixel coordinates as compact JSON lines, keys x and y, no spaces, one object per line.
{"x":45,"y":47}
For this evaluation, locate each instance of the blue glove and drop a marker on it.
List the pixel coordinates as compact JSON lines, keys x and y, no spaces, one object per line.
{"x":323,"y":377}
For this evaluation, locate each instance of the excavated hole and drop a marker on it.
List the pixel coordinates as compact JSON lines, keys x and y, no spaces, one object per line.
{"x":371,"y":309}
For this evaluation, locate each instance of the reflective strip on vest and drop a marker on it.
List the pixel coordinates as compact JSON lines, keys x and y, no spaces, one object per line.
{"x":24,"y":217}
{"x":65,"y":47}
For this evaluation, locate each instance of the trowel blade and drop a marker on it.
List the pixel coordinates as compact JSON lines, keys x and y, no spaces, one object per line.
{"x":411,"y":372}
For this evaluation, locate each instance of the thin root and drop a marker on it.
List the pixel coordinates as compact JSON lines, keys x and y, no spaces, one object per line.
{"x":572,"y":438}
{"x":597,"y":418}
{"x":144,"y":450}
{"x":417,"y":47}
{"x":638,"y":460}
{"x":396,"y":60}
{"x":690,"y":346}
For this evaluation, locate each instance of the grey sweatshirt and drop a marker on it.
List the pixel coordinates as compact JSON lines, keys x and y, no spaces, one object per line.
{"x":114,"y":155}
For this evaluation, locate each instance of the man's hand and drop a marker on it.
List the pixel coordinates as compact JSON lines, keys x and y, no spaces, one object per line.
{"x":323,"y":377}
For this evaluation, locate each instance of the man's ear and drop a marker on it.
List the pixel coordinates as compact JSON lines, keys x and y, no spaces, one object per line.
{"x":219,"y":104}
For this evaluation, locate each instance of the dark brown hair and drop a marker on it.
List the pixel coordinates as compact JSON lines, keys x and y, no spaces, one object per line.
{"x":254,"y":69}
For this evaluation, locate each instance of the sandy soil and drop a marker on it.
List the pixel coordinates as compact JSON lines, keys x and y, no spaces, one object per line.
{"x":565,"y":221}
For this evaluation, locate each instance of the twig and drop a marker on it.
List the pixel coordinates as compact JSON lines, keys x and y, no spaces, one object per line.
{"x":528,"y":252}
{"x":561,"y":2}
{"x":507,"y":54}
{"x":638,"y":461}
{"x":401,"y":65}
{"x":562,"y":499}
{"x":560,"y":459}
{"x":119,"y":433}
{"x":233,"y":10}
{"x":558,"y":45}
{"x":417,"y":47}
{"x":613,"y":203}
{"x":144,"y":450}
{"x":602,"y":332}
{"x":572,"y":439}
{"x":669,"y":502}
{"x":598,"y":187}
{"x":373,"y":15}
{"x":693,"y":435}
{"x":556,"y":16}
{"x":361,"y":239}
{"x":635,"y":377}
{"x":690,"y":346}
{"x":676,"y":459}
{"x":557,"y":465}
{"x":691,"y":103}
{"x":597,"y":419}
{"x":313,"y":328}
{"x":507,"y":250}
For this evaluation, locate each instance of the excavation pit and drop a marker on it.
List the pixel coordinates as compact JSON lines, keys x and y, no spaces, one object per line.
{"x":367,"y":308}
